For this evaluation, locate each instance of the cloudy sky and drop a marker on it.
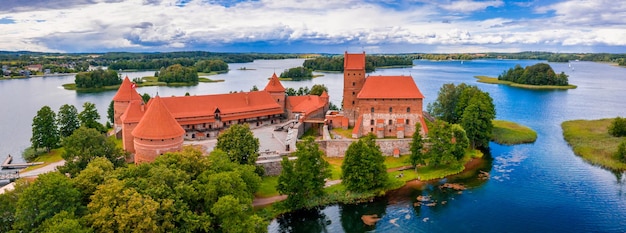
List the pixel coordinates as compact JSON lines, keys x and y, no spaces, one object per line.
{"x":317,"y":26}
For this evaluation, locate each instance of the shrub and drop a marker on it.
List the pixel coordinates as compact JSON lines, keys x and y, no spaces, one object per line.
{"x":618,"y":127}
{"x":621,"y":152}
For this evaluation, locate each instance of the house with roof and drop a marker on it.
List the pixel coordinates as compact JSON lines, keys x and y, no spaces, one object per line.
{"x":161,"y":125}
{"x":386,"y":106}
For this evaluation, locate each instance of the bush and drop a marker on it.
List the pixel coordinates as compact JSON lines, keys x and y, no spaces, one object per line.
{"x":30,"y":153}
{"x":618,"y":127}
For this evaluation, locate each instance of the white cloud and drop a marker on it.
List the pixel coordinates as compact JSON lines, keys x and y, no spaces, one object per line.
{"x":469,"y":5}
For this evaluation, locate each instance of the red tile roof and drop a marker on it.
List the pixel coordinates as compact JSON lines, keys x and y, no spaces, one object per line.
{"x":157,"y":122}
{"x":274,"y":85}
{"x":324,"y":94}
{"x":133,"y":113}
{"x":126,"y":92}
{"x":306,"y":103}
{"x":354,"y":61}
{"x":390,"y":87}
{"x":231,"y":103}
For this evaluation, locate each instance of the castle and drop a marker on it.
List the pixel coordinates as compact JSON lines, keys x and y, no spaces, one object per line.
{"x":161,"y":125}
{"x":386,"y":106}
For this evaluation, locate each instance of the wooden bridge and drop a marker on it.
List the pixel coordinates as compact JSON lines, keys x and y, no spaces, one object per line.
{"x":7,"y":163}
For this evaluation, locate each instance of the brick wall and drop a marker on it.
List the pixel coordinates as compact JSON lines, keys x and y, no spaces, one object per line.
{"x":338,"y":147}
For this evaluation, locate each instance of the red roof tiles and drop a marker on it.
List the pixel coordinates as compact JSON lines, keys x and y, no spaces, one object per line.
{"x":232,"y":103}
{"x":126,"y":92}
{"x":274,"y":85}
{"x":157,"y":123}
{"x":354,"y":61}
{"x":390,"y":87}
{"x":306,"y":103}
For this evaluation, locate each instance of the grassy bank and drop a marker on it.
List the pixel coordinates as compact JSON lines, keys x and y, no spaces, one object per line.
{"x":590,"y":140}
{"x":53,"y":156}
{"x":510,"y":133}
{"x":492,"y":80}
{"x":208,"y":80}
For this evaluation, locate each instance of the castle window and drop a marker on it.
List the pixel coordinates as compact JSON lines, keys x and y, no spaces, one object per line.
{"x":353,"y":84}
{"x":372,"y":122}
{"x":390,"y":109}
{"x":407,"y":121}
{"x":353,"y":102}
{"x":372,"y":109}
{"x":390,"y":121}
{"x":408,"y":109}
{"x":353,"y":93}
{"x":371,"y":129}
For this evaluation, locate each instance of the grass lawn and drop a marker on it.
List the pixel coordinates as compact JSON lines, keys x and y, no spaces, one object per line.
{"x":511,"y":133}
{"x":345,"y":133}
{"x":492,"y":80}
{"x":590,"y":140}
{"x":53,"y":156}
{"x":268,"y":187}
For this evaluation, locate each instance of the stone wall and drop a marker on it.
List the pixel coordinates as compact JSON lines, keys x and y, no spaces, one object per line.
{"x":338,"y":147}
{"x":273,"y":166}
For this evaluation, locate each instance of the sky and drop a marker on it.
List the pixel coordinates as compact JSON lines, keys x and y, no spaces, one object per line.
{"x":313,"y":26}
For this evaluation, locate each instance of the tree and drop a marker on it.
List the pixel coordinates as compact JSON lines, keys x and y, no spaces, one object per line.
{"x":477,"y":119}
{"x":84,"y":145}
{"x":305,"y":178}
{"x":318,"y":89}
{"x":67,"y":120}
{"x":445,"y":107}
{"x":254,"y":88}
{"x":63,"y":222}
{"x":447,"y":143}
{"x":89,"y":117}
{"x":621,"y":152}
{"x":618,"y":127}
{"x":50,"y":194}
{"x":178,"y":74}
{"x":363,"y":168}
{"x":92,"y":176}
{"x":146,"y":97}
{"x":45,"y":131}
{"x":297,"y":73}
{"x":417,"y":145}
{"x":233,"y":216}
{"x":111,"y":112}
{"x":239,"y":144}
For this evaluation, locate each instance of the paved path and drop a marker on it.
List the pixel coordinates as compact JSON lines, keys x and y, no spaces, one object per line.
{"x":35,"y":172}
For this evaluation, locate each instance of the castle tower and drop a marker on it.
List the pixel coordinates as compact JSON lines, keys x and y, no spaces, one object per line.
{"x":353,"y":80}
{"x":158,"y":132}
{"x":276,"y":90}
{"x":125,"y":94}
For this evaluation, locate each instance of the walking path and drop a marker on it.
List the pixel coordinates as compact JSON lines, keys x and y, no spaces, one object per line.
{"x":35,"y":172}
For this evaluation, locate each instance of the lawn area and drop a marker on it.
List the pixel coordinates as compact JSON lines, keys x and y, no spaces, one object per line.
{"x":268,"y":187}
{"x":493,"y":80}
{"x":511,"y":133}
{"x":345,"y":133}
{"x":53,"y":156}
{"x":590,"y":140}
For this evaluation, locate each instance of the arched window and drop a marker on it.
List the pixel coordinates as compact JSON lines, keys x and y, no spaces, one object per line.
{"x":353,"y":93}
{"x":390,"y":109}
{"x":407,"y":121}
{"x":408,"y":109}
{"x":353,"y":84}
{"x":372,"y":122}
{"x":390,"y":121}
{"x":353,"y":102}
{"x":372,"y":109}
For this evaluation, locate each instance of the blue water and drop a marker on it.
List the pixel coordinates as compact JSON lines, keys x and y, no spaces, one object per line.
{"x":539,"y":187}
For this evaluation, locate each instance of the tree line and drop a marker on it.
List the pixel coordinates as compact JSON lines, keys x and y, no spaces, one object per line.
{"x":537,"y":74}
{"x":97,"y":78}
{"x":335,"y":63}
{"x":297,"y":73}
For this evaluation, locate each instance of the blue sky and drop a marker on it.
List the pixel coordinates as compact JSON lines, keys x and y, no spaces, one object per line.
{"x":313,"y":26}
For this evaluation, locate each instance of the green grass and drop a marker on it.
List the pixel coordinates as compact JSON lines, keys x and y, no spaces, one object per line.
{"x":268,"y":187}
{"x":492,"y":80}
{"x":335,"y":167}
{"x":208,"y":80}
{"x":53,"y":156}
{"x":393,"y":162}
{"x":511,"y":133}
{"x":590,"y":140}
{"x":345,"y":133}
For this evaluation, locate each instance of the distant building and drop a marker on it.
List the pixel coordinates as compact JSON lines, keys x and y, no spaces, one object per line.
{"x":161,"y":125}
{"x":34,"y":68}
{"x":386,"y":106}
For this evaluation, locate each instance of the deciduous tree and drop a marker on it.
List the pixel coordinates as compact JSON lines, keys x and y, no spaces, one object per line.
{"x":89,"y":117}
{"x":67,"y":120}
{"x":84,"y":145}
{"x":45,"y":131}
{"x":239,"y":144}
{"x":618,"y":127}
{"x":363,"y":168}
{"x":477,"y":119}
{"x":304,"y":178}
{"x":418,"y":157}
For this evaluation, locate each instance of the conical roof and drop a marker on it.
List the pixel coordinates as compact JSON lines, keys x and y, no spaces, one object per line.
{"x":324,"y":94}
{"x":274,"y":85}
{"x":157,"y":122}
{"x":126,"y":92}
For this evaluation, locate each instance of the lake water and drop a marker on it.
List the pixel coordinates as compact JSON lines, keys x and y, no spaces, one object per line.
{"x":539,"y":187}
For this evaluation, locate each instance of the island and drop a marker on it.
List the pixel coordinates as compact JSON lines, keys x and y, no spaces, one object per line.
{"x":511,"y":133}
{"x":538,"y":76}
{"x":592,"y":140}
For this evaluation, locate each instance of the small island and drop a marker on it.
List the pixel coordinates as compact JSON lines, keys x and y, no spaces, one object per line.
{"x":510,"y":133}
{"x":595,"y":142}
{"x":538,"y":76}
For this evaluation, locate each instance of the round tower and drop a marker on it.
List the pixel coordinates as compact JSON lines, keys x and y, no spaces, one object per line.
{"x":125,"y":94}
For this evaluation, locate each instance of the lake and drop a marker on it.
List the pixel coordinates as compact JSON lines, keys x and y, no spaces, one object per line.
{"x":539,"y":187}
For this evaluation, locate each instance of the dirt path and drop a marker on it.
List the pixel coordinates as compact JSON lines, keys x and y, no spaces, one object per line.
{"x":257,"y":202}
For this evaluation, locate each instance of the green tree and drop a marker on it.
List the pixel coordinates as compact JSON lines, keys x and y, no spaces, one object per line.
{"x":146,"y":97}
{"x":63,"y":222}
{"x":92,"y":176}
{"x":50,"y":194}
{"x":67,"y":120}
{"x":318,"y":89}
{"x":618,"y":127}
{"x":84,"y":145}
{"x":89,"y":117}
{"x":233,"y":216}
{"x":621,"y":152}
{"x":290,"y":91}
{"x":477,"y":119}
{"x":45,"y":131}
{"x":418,"y":157}
{"x":363,"y":168}
{"x":111,"y":112}
{"x":445,"y":107}
{"x":8,"y":205}
{"x":254,"y":88}
{"x":297,"y":73}
{"x":447,"y":143}
{"x":305,"y":178}
{"x":178,"y":74}
{"x":239,"y":144}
